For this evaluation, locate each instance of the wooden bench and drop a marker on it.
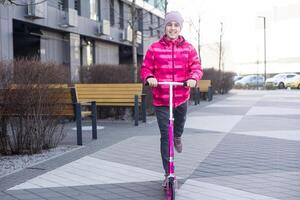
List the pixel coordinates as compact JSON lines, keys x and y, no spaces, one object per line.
{"x":203,"y":89}
{"x":120,"y":95}
{"x":62,"y":103}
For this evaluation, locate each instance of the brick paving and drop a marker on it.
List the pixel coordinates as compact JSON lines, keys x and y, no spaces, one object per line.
{"x":241,"y":146}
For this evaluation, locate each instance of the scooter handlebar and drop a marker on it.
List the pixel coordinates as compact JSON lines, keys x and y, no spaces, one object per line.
{"x":169,"y":83}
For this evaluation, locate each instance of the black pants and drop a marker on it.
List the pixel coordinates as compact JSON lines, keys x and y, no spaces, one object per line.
{"x":162,"y":115}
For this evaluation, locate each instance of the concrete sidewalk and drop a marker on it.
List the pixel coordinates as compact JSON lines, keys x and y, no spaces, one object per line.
{"x":241,"y":146}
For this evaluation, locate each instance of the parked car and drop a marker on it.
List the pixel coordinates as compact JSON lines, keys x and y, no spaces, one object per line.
{"x":279,"y":80}
{"x":250,"y":81}
{"x":294,"y":82}
{"x":237,"y":77}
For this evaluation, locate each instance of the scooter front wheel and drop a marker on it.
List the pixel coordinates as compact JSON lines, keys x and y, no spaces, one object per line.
{"x":171,"y":189}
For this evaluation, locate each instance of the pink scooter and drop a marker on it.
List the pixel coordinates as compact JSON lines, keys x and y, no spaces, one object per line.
{"x":172,"y":182}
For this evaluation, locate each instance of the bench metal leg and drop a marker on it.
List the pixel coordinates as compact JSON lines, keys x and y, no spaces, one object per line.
{"x":94,"y":120}
{"x":136,"y":110}
{"x":78,"y":124}
{"x":210,"y":93}
{"x":3,"y":126}
{"x":197,"y":96}
{"x":144,"y":107}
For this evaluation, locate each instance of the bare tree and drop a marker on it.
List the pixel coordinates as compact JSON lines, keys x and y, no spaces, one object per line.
{"x":134,"y":18}
{"x":164,"y":4}
{"x":5,"y":2}
{"x":21,"y":2}
{"x":197,"y":30}
{"x":133,"y":25}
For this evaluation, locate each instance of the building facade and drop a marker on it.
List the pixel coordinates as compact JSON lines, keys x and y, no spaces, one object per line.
{"x":78,"y":32}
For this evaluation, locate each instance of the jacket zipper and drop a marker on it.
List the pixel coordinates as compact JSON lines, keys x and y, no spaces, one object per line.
{"x":172,"y":61}
{"x":173,"y":74}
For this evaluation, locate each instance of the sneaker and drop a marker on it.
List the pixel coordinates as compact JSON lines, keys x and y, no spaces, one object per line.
{"x":165,"y":182}
{"x":178,"y":144}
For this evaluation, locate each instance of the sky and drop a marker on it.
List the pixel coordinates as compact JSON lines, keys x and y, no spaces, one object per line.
{"x":243,"y":33}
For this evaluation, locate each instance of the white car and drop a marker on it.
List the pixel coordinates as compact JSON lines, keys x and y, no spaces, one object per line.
{"x":279,"y":80}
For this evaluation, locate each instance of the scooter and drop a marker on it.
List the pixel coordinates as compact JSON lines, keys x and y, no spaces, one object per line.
{"x":171,"y":179}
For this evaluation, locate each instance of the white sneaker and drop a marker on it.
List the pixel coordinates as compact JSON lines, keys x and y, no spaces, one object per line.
{"x":165,"y":182}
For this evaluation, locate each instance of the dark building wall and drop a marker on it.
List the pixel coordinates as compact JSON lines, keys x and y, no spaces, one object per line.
{"x":59,"y":42}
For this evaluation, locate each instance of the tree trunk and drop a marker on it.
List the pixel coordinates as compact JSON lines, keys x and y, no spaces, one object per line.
{"x":134,"y":44}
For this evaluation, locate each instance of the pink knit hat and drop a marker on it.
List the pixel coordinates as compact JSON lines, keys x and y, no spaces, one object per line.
{"x":174,"y":16}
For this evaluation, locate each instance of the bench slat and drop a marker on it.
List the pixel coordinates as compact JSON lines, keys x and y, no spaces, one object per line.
{"x":111,"y":96}
{"x":115,"y":104}
{"x":99,"y":100}
{"x":110,"y":85}
{"x":107,"y":91}
{"x":114,"y":94}
{"x":204,"y":85}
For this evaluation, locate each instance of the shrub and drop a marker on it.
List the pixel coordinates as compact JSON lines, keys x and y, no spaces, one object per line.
{"x":222,"y":82}
{"x":28,"y":94}
{"x":106,"y":74}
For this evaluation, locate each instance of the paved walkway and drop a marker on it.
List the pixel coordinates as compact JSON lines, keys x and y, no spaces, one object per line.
{"x":241,"y":146}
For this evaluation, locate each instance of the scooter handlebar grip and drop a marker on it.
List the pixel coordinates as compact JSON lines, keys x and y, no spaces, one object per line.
{"x":185,"y":84}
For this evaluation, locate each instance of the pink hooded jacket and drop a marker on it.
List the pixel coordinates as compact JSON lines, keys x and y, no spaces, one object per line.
{"x":168,"y":60}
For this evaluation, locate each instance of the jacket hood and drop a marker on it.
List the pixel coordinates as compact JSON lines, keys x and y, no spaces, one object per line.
{"x":166,"y":42}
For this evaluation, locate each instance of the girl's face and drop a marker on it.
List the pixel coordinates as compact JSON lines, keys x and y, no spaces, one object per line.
{"x":172,"y":30}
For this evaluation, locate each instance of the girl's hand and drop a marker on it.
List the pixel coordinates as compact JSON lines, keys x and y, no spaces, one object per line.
{"x":152,"y":82}
{"x":191,"y":83}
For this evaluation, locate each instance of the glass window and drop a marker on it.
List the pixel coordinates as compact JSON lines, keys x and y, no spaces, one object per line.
{"x":290,"y":76}
{"x":94,"y":14}
{"x":158,"y":33}
{"x":140,"y":19}
{"x":77,"y":6}
{"x":87,"y":51}
{"x":279,"y":76}
{"x":61,"y":4}
{"x":151,"y":31}
{"x":121,"y":14}
{"x":151,"y":18}
{"x":90,"y":53}
{"x":159,"y":4}
{"x":112,"y":12}
{"x":156,"y":4}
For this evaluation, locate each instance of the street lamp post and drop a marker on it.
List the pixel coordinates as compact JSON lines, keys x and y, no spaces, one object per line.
{"x":198,"y":31}
{"x":220,"y":48}
{"x":220,"y":61}
{"x":265,"y":46}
